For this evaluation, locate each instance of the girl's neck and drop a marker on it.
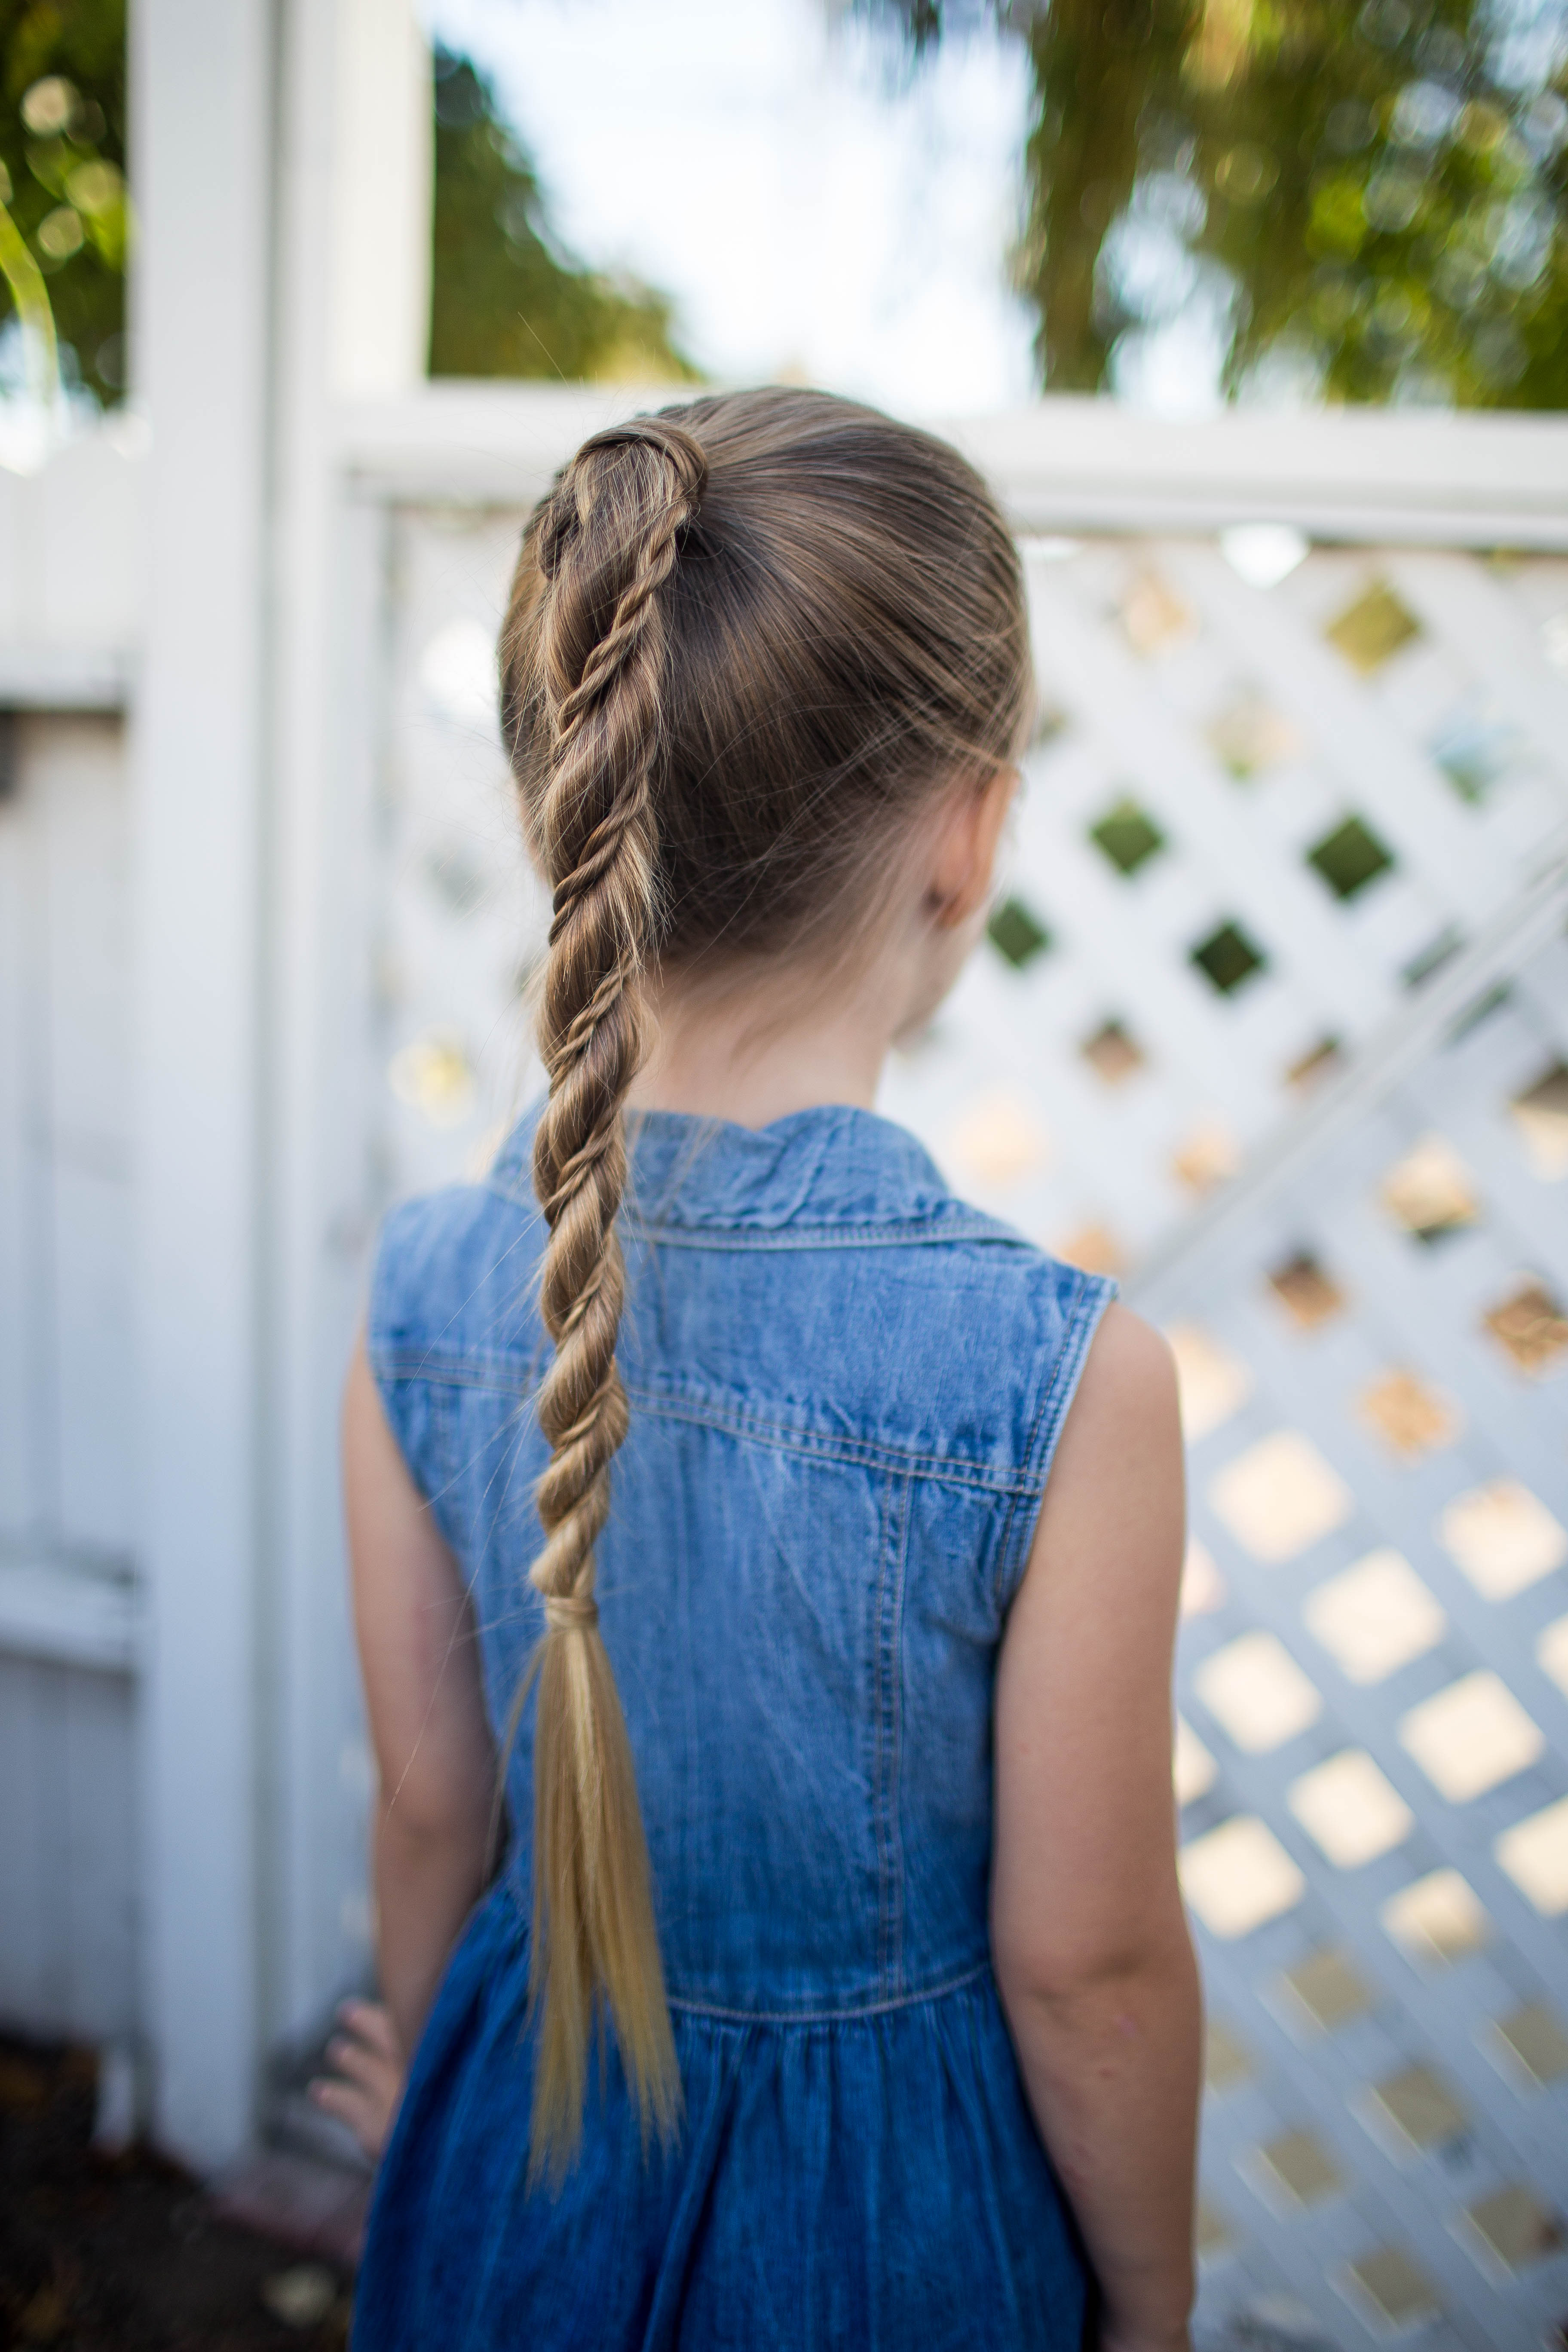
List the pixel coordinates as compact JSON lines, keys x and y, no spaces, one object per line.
{"x":752,"y":1048}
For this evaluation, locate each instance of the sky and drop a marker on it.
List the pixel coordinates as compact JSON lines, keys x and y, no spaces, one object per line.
{"x":813,"y":213}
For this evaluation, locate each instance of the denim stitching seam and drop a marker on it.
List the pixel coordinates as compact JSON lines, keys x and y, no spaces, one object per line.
{"x":1081,"y":1328}
{"x":423,"y":1364}
{"x":841,"y":2016}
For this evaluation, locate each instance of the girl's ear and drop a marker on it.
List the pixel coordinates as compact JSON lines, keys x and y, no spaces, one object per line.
{"x":964,"y":863}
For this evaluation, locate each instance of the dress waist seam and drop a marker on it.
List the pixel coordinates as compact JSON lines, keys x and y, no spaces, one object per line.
{"x":848,"y":2013}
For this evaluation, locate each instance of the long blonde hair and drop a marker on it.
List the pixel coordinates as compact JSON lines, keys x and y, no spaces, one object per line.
{"x":748,"y":639}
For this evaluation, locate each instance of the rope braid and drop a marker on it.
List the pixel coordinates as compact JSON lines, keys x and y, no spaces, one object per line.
{"x":607,"y":541}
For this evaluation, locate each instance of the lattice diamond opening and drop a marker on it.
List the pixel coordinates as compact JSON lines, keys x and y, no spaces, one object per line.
{"x":1227,"y":957}
{"x":1374,"y":1617}
{"x":1307,"y":1294}
{"x":1016,"y":933}
{"x":1472,"y":1737}
{"x":1436,"y":1920}
{"x":1350,"y":857}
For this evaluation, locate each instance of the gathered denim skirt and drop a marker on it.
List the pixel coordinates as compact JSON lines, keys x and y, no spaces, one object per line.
{"x":870,"y":2179}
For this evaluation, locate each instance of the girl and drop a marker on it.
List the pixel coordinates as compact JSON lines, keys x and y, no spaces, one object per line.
{"x":789,"y":1551}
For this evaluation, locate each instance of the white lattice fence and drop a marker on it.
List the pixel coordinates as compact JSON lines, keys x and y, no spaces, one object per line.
{"x":1374,"y":1681}
{"x":1170,"y":953}
{"x":1263,"y":826}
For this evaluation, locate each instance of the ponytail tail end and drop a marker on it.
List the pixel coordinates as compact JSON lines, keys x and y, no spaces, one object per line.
{"x":593,"y":1902}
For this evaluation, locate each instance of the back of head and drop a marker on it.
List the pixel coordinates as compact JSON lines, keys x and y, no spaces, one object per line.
{"x":751,"y":640}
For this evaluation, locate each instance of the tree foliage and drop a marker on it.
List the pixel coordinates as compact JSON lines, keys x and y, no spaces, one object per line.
{"x":1374,"y":194}
{"x":506,"y":299}
{"x":62,"y":165}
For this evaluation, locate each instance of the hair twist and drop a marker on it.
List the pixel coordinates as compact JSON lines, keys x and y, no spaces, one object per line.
{"x":716,"y":760}
{"x":607,"y":541}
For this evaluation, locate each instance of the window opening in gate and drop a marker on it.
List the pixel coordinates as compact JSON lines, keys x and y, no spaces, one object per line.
{"x":1280,"y":1496}
{"x":1208,"y":1156}
{"x":1350,"y":857}
{"x":1515,"y":2227}
{"x":1127,"y":835}
{"x":1420,"y":2106}
{"x":1373,"y":629}
{"x":1430,"y":1192}
{"x":1540,"y":1114}
{"x":1552,"y":1654}
{"x":1436,"y":1920}
{"x":1534,"y":1853}
{"x":1308,"y":1295}
{"x":1154,"y":615}
{"x":1193,"y":1770}
{"x":1470,"y":1737}
{"x":1017,"y":933}
{"x":1227,"y":2061}
{"x":1227,"y":957}
{"x":1474,"y":748}
{"x":1410,"y":1418}
{"x":1503,"y":1538}
{"x":1212,"y":1383}
{"x":1530,"y":1326}
{"x":1112,"y":1053}
{"x":1250,"y":735}
{"x":1326,"y":1989}
{"x":1239,"y":1876}
{"x":999,"y":1141}
{"x":1212,"y":2237}
{"x":1203,"y":1587}
{"x":1533,"y":2040}
{"x":1399,"y":2291}
{"x":1350,"y":1810}
{"x":1095,"y":1248}
{"x":1374,"y":1617}
{"x":1298,"y":2164}
{"x":1256,"y":1692}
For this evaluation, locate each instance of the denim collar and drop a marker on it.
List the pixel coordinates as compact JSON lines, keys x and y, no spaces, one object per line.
{"x":831,"y":1166}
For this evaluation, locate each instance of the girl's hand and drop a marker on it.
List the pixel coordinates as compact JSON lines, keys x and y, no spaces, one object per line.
{"x":364,"y":2089}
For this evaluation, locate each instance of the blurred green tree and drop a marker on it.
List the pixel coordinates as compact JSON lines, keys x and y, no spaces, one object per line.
{"x":1369,"y":198}
{"x":63,"y":177}
{"x":506,"y":299}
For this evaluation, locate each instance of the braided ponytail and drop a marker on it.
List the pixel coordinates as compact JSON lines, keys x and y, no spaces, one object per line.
{"x":604,"y":544}
{"x":716,"y":758}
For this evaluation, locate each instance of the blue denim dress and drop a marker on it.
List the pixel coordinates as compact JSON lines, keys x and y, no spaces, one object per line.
{"x":846,"y":1389}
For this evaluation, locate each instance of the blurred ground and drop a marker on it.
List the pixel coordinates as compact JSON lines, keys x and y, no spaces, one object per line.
{"x":127,"y":2253}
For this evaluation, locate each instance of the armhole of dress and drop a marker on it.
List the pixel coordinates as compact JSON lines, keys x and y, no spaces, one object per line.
{"x":393,"y":1383}
{"x":1047,"y":1410}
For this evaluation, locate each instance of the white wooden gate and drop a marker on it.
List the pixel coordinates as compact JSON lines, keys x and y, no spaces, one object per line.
{"x":1273,"y":1021}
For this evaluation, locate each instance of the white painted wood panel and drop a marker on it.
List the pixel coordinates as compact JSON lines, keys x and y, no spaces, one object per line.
{"x":68,"y":1847}
{"x":66,"y":1372}
{"x":21,"y":1503}
{"x":204,"y":84}
{"x":67,"y":1850}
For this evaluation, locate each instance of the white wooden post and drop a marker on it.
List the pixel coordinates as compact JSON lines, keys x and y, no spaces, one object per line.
{"x":353,"y":282}
{"x":203,"y":124}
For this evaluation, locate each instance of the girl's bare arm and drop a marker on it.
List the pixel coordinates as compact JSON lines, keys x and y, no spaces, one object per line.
{"x":1091,"y":1944}
{"x":419,"y":1659}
